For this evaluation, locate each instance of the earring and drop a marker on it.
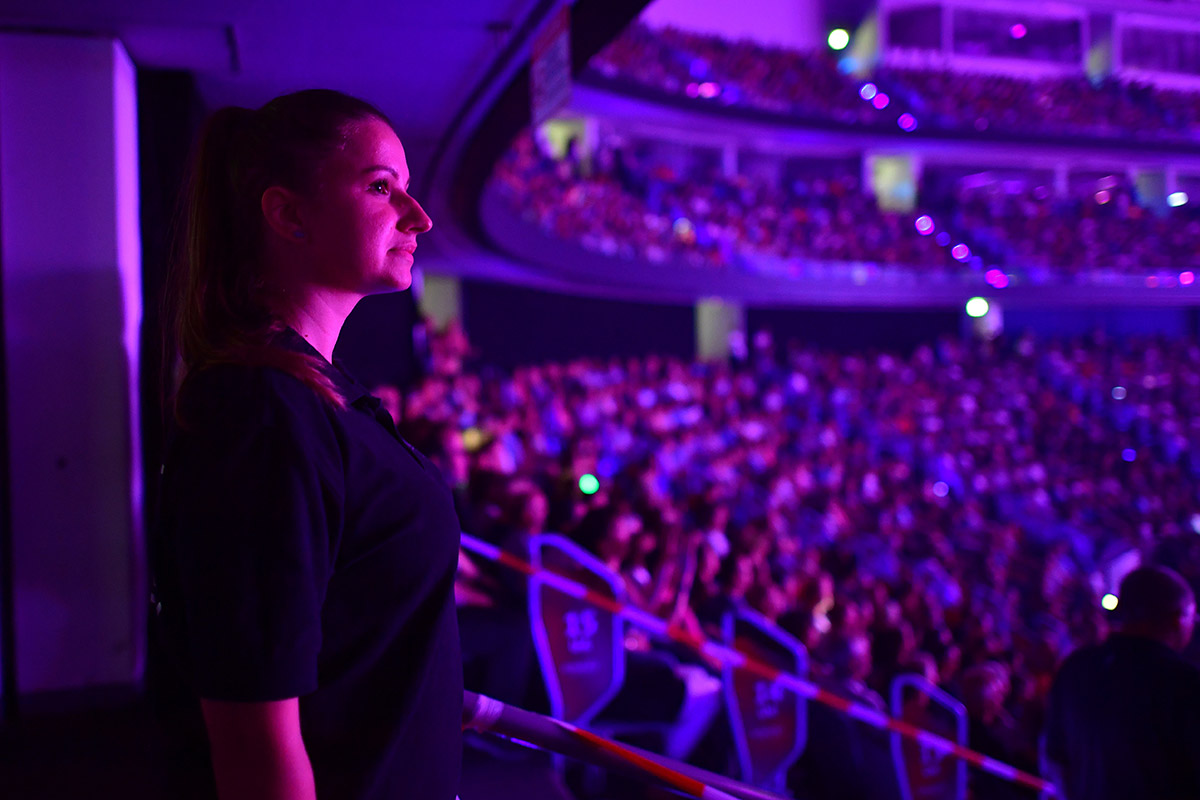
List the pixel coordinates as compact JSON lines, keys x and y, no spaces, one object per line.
{"x":298,"y":234}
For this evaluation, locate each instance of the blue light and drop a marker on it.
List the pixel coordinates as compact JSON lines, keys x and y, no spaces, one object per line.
{"x":1129,"y":454}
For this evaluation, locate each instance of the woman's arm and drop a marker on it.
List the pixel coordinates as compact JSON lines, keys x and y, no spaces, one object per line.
{"x":257,"y":750}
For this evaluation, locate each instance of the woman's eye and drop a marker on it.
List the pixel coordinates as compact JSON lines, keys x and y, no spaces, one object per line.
{"x":380,"y":186}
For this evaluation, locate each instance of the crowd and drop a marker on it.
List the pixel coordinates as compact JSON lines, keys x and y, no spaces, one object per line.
{"x":955,"y":513}
{"x":738,"y":73}
{"x":1106,"y":230}
{"x":629,"y":203}
{"x":1054,"y":104}
{"x":810,"y":84}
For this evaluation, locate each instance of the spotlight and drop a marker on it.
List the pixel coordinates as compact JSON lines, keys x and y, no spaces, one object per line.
{"x":838,"y":39}
{"x":977,"y":307}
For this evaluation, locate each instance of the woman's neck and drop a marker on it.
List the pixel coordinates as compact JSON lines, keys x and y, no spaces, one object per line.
{"x":317,"y":315}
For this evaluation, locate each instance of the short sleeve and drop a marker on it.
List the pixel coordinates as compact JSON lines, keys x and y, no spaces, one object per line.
{"x":251,"y":516}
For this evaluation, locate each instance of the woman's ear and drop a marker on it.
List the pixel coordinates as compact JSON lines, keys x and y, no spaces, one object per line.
{"x":281,"y":210}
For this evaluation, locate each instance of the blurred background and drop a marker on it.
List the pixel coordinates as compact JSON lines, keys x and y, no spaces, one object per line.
{"x":876,"y":320}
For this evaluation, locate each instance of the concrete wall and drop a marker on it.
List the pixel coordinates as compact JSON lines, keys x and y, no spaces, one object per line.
{"x":71,"y":260}
{"x":787,"y":23}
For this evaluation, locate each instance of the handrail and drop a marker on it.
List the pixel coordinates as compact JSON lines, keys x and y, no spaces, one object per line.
{"x":729,"y":656}
{"x":485,"y":714}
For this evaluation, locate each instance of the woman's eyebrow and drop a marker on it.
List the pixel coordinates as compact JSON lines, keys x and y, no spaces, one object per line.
{"x":384,"y":168}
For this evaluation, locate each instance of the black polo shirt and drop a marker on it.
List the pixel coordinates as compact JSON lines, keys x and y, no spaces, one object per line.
{"x":1123,"y":722}
{"x":305,"y":551}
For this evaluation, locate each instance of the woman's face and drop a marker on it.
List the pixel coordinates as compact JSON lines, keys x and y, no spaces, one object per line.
{"x":361,"y":223}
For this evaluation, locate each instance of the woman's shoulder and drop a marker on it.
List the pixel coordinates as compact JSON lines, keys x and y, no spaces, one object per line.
{"x":253,"y":394}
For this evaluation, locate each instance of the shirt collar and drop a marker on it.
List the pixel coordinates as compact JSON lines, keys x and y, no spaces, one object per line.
{"x":354,"y":392}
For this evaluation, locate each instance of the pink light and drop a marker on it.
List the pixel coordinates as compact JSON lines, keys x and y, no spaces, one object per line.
{"x":1152,"y":281}
{"x":907,"y":122}
{"x":924,"y":224}
{"x":880,"y":101}
{"x":1187,"y":278}
{"x":961,"y":252}
{"x":868,"y":91}
{"x":1103,"y":196}
{"x":1018,"y":31}
{"x":709,"y":90}
{"x":996,"y":278}
{"x":693,"y":90}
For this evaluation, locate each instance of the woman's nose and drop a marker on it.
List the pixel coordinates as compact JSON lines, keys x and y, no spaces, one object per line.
{"x":413,"y":217}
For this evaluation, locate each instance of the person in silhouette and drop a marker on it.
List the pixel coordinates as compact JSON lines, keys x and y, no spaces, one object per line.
{"x":1124,"y":716}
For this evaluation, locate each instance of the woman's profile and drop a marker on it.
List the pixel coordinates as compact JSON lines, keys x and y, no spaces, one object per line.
{"x":304,"y":553}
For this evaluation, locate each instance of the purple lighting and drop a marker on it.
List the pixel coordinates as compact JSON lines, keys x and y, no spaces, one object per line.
{"x":943,"y":239}
{"x":996,"y":278}
{"x":1187,"y":278}
{"x":961,"y":252}
{"x":1129,"y":454}
{"x":924,"y":224}
{"x":868,"y":91}
{"x":709,"y":90}
{"x":907,"y":122}
{"x":880,"y":101}
{"x":1018,"y":31}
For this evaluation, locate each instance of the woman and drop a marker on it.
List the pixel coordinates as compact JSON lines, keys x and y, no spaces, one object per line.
{"x":305,"y":554}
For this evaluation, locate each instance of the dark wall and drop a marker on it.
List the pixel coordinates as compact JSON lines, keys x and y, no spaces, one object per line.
{"x":509,"y":325}
{"x":845,"y":330}
{"x":1117,"y":322}
{"x":170,"y":112}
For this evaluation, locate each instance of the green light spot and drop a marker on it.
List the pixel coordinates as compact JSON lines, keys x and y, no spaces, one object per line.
{"x":588,"y":484}
{"x":977,"y":307}
{"x":838,"y":38}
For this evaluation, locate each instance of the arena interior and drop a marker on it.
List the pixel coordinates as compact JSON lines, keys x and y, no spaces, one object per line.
{"x":841,"y":356}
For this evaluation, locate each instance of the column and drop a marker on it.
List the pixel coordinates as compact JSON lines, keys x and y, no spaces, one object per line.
{"x":716,"y":321}
{"x":71,"y":256}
